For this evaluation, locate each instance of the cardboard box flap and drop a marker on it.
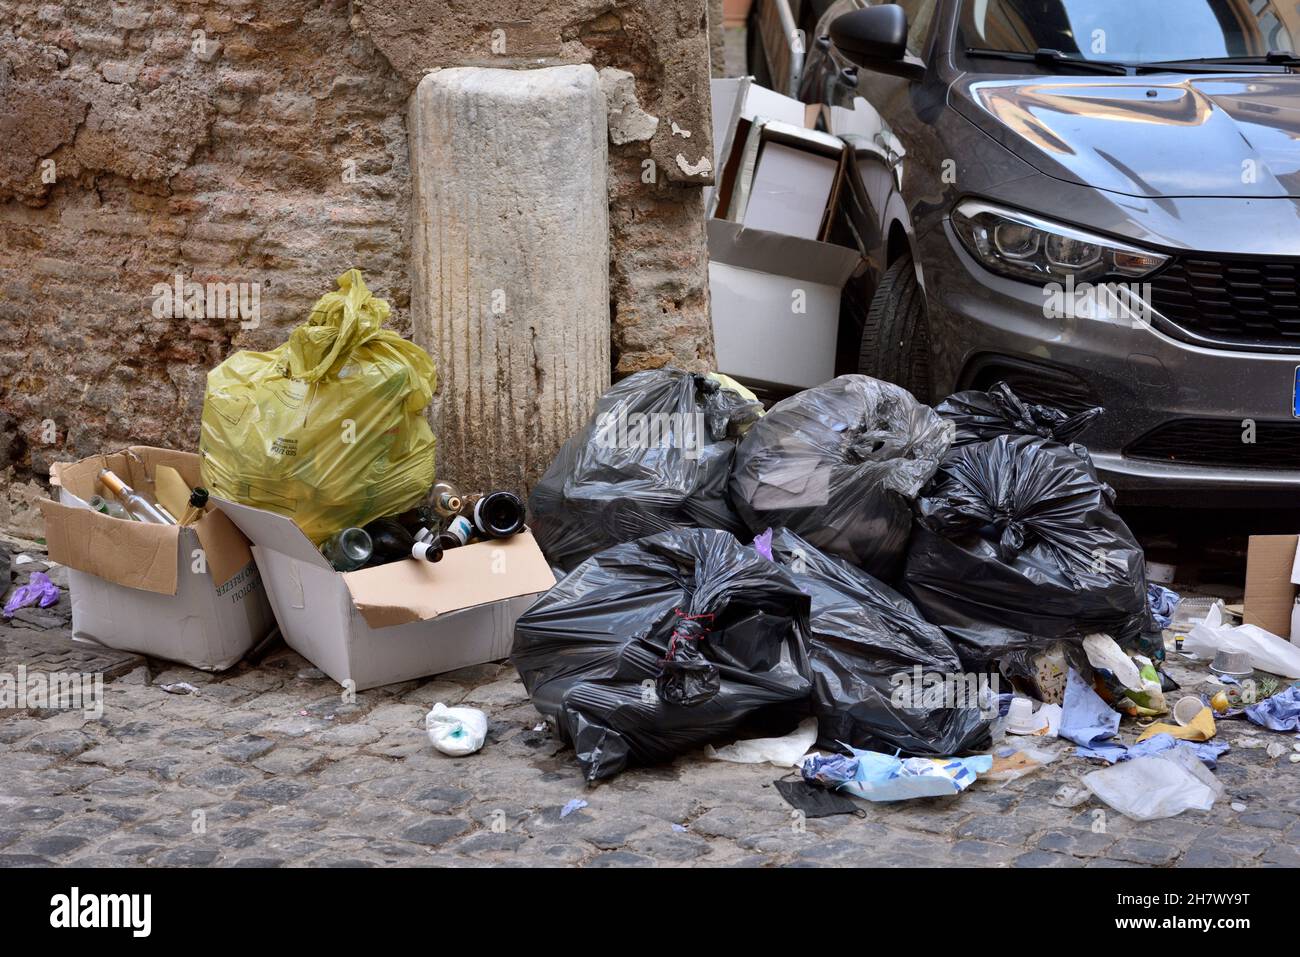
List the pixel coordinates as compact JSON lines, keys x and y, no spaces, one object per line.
{"x":224,"y":546}
{"x":269,"y":530}
{"x":407,"y":591}
{"x":804,"y":259}
{"x":133,"y":554}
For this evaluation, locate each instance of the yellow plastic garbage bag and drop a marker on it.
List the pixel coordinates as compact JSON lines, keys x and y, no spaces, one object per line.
{"x":328,"y":428}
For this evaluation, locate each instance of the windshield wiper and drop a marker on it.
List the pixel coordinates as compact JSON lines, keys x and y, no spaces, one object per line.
{"x":1046,"y":57}
{"x":1272,"y":58}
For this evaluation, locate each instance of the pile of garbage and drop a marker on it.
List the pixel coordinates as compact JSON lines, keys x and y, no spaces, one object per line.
{"x":859,"y":572}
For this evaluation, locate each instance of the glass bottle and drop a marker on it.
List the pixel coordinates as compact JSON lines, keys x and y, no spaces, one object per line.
{"x":445,"y":500}
{"x":109,"y":507}
{"x":496,"y":514}
{"x":347,"y":550}
{"x":135,"y":503}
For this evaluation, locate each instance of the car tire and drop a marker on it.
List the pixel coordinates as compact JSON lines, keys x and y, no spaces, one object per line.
{"x":896,"y":332}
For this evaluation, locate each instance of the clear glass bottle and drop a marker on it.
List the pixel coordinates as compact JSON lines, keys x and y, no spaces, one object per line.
{"x":348,"y":550}
{"x":139,"y":506}
{"x":445,"y":500}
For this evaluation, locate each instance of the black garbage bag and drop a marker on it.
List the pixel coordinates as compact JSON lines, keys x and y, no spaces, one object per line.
{"x":656,"y":647}
{"x":1017,"y":545}
{"x":986,"y":415}
{"x":656,"y":455}
{"x":840,"y":465}
{"x":874,"y":660}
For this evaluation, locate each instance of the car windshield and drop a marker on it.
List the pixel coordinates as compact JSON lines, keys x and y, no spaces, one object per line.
{"x":1133,"y":31}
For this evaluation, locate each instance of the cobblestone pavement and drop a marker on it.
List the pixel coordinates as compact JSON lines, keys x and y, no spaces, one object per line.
{"x":268,"y":765}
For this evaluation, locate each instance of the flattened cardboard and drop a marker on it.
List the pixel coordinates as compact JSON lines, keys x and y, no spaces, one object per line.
{"x":173,"y":491}
{"x":401,"y":592}
{"x":1270,"y":593}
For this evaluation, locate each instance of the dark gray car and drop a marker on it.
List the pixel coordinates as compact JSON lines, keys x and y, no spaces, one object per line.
{"x":1095,"y":200}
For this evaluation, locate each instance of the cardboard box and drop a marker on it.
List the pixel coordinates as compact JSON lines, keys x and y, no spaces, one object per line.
{"x":1271,"y":582}
{"x":776,"y":304}
{"x":740,"y":98}
{"x":399,"y":621}
{"x":187,"y":594}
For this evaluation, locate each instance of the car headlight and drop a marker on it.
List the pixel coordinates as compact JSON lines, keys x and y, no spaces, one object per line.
{"x":1016,"y":244}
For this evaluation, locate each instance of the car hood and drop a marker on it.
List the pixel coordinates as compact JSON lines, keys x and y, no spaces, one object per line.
{"x":1226,"y":135}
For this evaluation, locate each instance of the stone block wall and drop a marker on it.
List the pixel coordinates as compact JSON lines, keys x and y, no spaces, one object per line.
{"x":264,"y":142}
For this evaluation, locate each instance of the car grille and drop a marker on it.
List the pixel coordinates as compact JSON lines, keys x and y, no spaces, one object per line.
{"x":1219,"y":442}
{"x":1243,"y":302}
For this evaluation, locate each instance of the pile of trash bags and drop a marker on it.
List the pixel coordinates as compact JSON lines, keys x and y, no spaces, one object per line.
{"x":652,"y":648}
{"x":852,"y":556}
{"x":864,"y":636}
{"x":1017,"y":545}
{"x":327,"y":428}
{"x":986,"y":415}
{"x":839,"y":465}
{"x":655,"y":455}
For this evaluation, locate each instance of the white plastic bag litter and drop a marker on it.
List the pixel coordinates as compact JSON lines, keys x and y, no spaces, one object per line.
{"x":456,"y":731}
{"x":1267,"y":651}
{"x":1148,"y":789}
{"x":786,"y":752}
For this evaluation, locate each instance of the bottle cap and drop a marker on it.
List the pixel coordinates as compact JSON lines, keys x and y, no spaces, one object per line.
{"x":199,"y":497}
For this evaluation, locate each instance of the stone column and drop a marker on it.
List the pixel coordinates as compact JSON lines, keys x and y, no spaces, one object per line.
{"x":510,"y":271}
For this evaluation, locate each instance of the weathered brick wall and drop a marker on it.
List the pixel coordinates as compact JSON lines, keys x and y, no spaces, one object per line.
{"x":259,"y":141}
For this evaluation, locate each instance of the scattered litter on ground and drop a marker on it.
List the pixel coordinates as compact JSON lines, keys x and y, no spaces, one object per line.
{"x":575,"y":804}
{"x":784,"y":752}
{"x":1281,"y":712}
{"x":39,"y":591}
{"x":1157,"y":786}
{"x":814,"y":801}
{"x":1266,"y":651}
{"x":182,"y":687}
{"x":456,"y":731}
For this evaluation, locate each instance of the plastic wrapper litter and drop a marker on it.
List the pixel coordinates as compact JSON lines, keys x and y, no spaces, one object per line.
{"x":986,"y":415}
{"x":869,"y":647}
{"x":840,"y":465}
{"x":653,"y":648}
{"x":1017,"y":545}
{"x":327,"y":428}
{"x":655,"y":456}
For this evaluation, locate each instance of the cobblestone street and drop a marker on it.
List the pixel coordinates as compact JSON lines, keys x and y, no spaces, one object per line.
{"x":267,"y":765}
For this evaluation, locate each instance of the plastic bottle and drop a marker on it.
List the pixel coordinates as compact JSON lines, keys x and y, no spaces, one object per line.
{"x":139,"y":506}
{"x":348,"y":550}
{"x":496,"y":514}
{"x":1295,"y":622}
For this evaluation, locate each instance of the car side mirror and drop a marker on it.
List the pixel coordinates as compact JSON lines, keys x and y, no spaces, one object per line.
{"x":876,"y":38}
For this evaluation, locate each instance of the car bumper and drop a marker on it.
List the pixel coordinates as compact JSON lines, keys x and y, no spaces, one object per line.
{"x":1143,"y":377}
